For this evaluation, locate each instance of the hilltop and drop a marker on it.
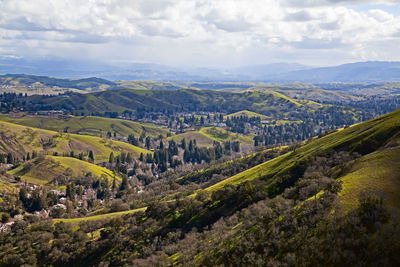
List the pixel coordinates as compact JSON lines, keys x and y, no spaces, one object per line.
{"x":43,"y":170}
{"x":20,"y":140}
{"x":88,"y":125}
{"x":185,"y":100}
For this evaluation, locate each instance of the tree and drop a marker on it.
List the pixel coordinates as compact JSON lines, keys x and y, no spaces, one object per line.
{"x":5,"y":217}
{"x":124,"y":184}
{"x":10,"y":158}
{"x":70,"y":191}
{"x":183,"y":143}
{"x":111,"y":158}
{"x":91,"y":156}
{"x":147,"y":142}
{"x":39,"y":199}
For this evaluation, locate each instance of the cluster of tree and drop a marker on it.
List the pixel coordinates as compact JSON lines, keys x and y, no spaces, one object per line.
{"x":284,"y":134}
{"x":194,"y":154}
{"x":8,"y":158}
{"x":238,"y":124}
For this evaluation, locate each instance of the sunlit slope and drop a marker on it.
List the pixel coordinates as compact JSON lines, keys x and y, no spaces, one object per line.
{"x":206,"y":136}
{"x":378,"y":171}
{"x":19,"y":140}
{"x":363,"y":138}
{"x":89,"y":125}
{"x":42,"y":170}
{"x":266,"y":103}
{"x":247,"y":113}
{"x":100,"y":216}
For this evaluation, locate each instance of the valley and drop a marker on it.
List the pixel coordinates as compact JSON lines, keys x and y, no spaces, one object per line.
{"x":149,"y":171}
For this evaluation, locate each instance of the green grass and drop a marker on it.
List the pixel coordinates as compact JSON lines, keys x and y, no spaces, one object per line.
{"x":201,"y":138}
{"x":247,"y":113}
{"x":45,"y":169}
{"x":221,"y":135}
{"x":20,"y":139}
{"x":379,"y":172}
{"x":88,"y":125}
{"x":99,"y":217}
{"x":206,"y":136}
{"x":363,"y":138}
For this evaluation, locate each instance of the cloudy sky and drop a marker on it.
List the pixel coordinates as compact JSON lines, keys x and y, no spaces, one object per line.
{"x":215,"y":33}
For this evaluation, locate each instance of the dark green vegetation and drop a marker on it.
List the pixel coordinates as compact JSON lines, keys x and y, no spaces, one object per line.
{"x":137,"y":101}
{"x":288,"y":206}
{"x":88,"y":125}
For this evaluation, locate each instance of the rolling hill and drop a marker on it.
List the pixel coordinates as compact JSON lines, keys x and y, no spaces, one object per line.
{"x":19,"y":140}
{"x":33,"y":84}
{"x":43,"y":170}
{"x":246,"y":113}
{"x":375,"y":140}
{"x":89,"y":125}
{"x":206,"y":136}
{"x":186,"y":100}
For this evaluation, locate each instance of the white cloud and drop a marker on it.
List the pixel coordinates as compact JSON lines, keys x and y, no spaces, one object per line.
{"x":199,"y":31}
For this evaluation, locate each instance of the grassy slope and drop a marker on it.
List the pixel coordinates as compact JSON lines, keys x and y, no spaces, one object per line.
{"x":247,"y":113}
{"x":201,"y":139}
{"x":363,"y":138}
{"x":267,"y":103}
{"x":378,"y":171}
{"x":96,"y":126}
{"x":45,"y":169}
{"x":207,"y":135}
{"x":220,"y":134}
{"x":99,"y":217}
{"x":20,"y":139}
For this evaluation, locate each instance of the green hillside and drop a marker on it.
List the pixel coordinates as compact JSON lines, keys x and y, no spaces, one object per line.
{"x":89,"y":125}
{"x":246,"y":113}
{"x":206,"y":136}
{"x":362,"y":138}
{"x":19,"y":140}
{"x":265,"y":103}
{"x":43,"y":170}
{"x":378,"y":171}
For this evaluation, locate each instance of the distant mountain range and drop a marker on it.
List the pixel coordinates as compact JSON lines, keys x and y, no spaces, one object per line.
{"x":372,"y":71}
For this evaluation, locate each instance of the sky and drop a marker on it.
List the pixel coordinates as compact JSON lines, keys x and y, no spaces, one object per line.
{"x":202,"y":33}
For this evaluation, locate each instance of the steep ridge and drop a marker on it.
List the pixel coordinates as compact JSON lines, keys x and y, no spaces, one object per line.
{"x":283,"y":171}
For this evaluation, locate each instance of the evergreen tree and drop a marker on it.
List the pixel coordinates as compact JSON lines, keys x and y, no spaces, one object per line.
{"x":147,"y":142}
{"x":111,"y":158}
{"x":91,"y":156}
{"x":124,"y":184}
